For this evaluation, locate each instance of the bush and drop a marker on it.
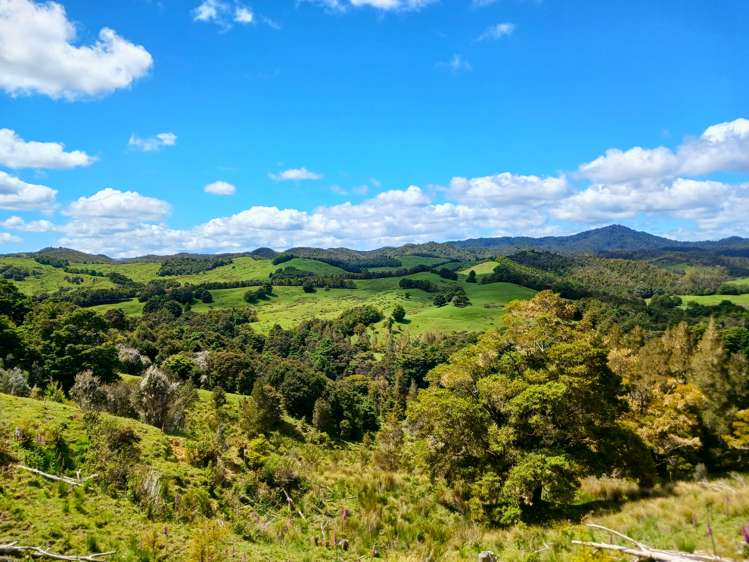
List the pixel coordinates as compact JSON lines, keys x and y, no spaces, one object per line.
{"x":87,"y":391}
{"x":15,"y":382}
{"x":121,"y":399}
{"x":132,"y":361}
{"x":161,"y":402}
{"x":209,"y":543}
{"x":261,"y":412}
{"x":399,"y":313}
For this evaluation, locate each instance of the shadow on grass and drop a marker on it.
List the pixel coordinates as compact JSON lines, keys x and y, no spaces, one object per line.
{"x":547,"y":513}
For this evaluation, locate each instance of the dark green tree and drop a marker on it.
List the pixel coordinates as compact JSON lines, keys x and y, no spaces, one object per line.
{"x":399,"y":313}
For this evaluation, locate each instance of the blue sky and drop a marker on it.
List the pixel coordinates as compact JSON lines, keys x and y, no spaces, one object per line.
{"x":224,"y":125}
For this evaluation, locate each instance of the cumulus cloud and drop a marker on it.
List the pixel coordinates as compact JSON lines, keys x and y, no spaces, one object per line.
{"x":682,"y":197}
{"x":389,"y":218}
{"x":7,"y":238}
{"x":18,"y":153}
{"x":154,"y":143}
{"x":497,"y":31}
{"x":39,"y":55}
{"x":220,"y":188}
{"x":295,"y":174}
{"x":17,"y":223}
{"x":504,"y":188}
{"x":112,"y":203}
{"x":17,"y":195}
{"x":127,"y":223}
{"x":721,"y":147}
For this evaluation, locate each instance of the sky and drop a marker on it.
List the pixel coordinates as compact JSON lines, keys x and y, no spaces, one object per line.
{"x":158,"y":126}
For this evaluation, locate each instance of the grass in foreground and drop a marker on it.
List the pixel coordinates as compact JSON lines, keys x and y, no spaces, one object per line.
{"x":384,"y":515}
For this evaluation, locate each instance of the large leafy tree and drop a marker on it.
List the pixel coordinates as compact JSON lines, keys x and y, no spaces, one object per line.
{"x":67,"y":340}
{"x":13,"y":303}
{"x":523,"y":415}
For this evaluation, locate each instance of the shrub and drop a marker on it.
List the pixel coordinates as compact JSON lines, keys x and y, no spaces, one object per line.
{"x":54,"y":392}
{"x":132,"y":361}
{"x":209,"y":543}
{"x":87,"y":391}
{"x":14,"y":381}
{"x":161,"y":402}
{"x":399,"y":313}
{"x":261,"y":412}
{"x":115,"y":451}
{"x":121,"y":399}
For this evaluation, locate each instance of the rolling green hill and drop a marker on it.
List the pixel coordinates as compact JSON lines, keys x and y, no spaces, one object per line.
{"x":291,"y":305}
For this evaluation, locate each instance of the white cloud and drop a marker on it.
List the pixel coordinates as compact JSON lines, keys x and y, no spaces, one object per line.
{"x":456,"y":64}
{"x":17,"y":195}
{"x":17,"y":223}
{"x":636,"y":163}
{"x":390,"y":218}
{"x":224,"y":13}
{"x":504,"y":188}
{"x":207,"y":11}
{"x":392,"y":4}
{"x":243,"y":15}
{"x":39,"y":55}
{"x":382,"y":5}
{"x":112,"y":203}
{"x":683,"y":198}
{"x":7,"y":238}
{"x":721,"y":147}
{"x":127,"y":224}
{"x":220,"y":188}
{"x":295,"y":174}
{"x":154,"y":143}
{"x":497,"y":31}
{"x":17,"y":153}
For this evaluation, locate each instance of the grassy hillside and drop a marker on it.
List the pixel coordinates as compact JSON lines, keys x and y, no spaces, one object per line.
{"x":412,"y":261}
{"x":291,"y":305}
{"x":45,"y":278}
{"x":742,"y":300}
{"x":382,"y":515}
{"x":482,"y":268}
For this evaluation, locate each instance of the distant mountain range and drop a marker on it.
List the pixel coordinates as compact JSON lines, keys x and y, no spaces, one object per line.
{"x":613,"y":240}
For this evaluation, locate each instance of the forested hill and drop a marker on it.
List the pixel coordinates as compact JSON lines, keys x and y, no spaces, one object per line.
{"x":613,"y":239}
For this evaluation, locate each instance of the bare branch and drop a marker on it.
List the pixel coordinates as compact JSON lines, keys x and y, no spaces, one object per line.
{"x":66,"y":479}
{"x":14,"y":549}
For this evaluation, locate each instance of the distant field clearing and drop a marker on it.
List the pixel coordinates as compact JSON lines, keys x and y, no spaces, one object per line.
{"x":483,"y":268}
{"x":742,"y":300}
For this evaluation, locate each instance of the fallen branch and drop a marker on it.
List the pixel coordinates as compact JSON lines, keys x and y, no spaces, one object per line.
{"x":66,"y":479}
{"x":14,"y":549}
{"x":643,"y":552}
{"x":292,"y":505}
